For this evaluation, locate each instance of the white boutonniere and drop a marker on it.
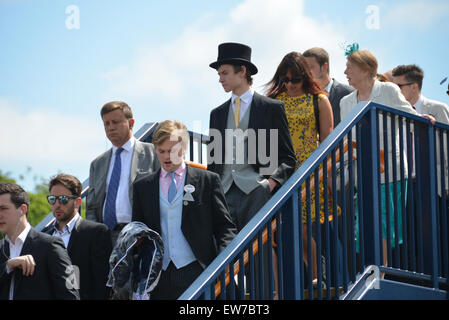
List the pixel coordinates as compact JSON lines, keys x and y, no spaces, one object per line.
{"x":188,"y":189}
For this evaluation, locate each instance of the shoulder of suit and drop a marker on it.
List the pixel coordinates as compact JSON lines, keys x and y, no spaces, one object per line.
{"x":84,"y":223}
{"x":434,"y":103}
{"x":102,"y":157}
{"x":342,"y":87}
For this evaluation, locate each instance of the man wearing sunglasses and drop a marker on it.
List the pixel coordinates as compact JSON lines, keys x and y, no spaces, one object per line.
{"x":88,"y":243}
{"x":409,"y":79}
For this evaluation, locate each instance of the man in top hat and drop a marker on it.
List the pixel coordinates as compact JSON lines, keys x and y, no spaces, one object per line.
{"x":250,"y":145}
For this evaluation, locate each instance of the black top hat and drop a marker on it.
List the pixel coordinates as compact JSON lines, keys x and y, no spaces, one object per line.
{"x":234,"y":53}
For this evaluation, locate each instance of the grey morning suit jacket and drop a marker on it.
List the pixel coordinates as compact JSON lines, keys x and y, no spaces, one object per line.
{"x":337,"y":92}
{"x":144,"y":161}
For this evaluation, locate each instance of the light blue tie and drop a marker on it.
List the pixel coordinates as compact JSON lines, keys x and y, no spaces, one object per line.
{"x":172,"y":189}
{"x":110,"y":215}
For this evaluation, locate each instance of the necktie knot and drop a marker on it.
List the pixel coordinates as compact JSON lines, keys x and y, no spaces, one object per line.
{"x":118,"y":151}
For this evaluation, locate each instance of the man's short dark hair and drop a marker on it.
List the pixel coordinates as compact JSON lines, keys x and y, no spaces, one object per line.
{"x":321,"y":56}
{"x":411,"y":73}
{"x":114,"y":105}
{"x":68,"y":181}
{"x":18,"y":195}
{"x":238,"y":68}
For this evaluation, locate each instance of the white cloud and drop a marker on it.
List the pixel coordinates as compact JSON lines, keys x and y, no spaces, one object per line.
{"x":44,"y":137}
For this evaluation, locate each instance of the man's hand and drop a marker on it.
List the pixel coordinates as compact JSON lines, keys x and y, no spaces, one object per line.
{"x":272,"y":183}
{"x":26,"y":263}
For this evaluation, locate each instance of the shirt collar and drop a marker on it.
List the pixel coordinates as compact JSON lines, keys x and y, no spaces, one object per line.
{"x":69,"y":226}
{"x":21,"y":237}
{"x":419,"y":103}
{"x":128,"y":146}
{"x":181,"y":169}
{"x":329,"y":86}
{"x":246,"y":97}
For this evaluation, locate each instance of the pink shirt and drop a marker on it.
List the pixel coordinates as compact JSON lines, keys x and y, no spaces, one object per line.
{"x":165,"y":180}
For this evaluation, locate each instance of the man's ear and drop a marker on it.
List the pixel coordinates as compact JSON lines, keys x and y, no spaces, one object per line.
{"x":131,"y":123}
{"x":78,"y":202}
{"x":325,"y":67}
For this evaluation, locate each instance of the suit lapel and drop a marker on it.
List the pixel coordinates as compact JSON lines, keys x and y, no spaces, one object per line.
{"x":153,"y":200}
{"x":26,"y":249}
{"x":74,"y":236}
{"x":255,"y":112}
{"x":192,"y":179}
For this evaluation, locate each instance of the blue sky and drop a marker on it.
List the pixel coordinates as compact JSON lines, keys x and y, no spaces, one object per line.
{"x":155,"y":55}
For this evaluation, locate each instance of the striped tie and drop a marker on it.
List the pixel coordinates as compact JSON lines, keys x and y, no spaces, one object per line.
{"x":110,"y":217}
{"x":172,"y":188}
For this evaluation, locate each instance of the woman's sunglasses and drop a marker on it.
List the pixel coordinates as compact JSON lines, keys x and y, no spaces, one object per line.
{"x":62,"y":199}
{"x":286,"y":80}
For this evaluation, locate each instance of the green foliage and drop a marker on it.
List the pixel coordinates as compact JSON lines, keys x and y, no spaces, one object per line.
{"x":39,"y":206}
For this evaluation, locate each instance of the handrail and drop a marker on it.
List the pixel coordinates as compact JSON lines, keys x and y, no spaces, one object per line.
{"x":285,"y":194}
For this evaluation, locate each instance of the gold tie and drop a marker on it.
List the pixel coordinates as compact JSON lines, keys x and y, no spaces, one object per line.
{"x":237,"y":112}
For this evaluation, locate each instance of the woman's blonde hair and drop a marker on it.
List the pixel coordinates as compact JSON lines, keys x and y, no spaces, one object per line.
{"x":364,"y":60}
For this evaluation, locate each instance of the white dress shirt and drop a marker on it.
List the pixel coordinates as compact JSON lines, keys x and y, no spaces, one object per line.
{"x":122,"y":203}
{"x":14,"y":251}
{"x":246,"y":100}
{"x":67,"y":230}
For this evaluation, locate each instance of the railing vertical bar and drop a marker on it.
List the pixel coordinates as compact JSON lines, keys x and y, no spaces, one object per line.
{"x":191,"y":153}
{"x":418,"y":212}
{"x":309,"y":240}
{"x":351,"y":210}
{"x":379,"y":186}
{"x":222,"y":285}
{"x":403,"y":193}
{"x":252,"y":287}
{"x":411,"y":195}
{"x":231,"y":282}
{"x":335,"y":237}
{"x":386,"y":190}
{"x":318,"y":232}
{"x":280,"y":256}
{"x":261,"y":270}
{"x":442,"y":240}
{"x":270,"y":261}
{"x":396,"y":213}
{"x":361,"y":237}
{"x":326,"y":228}
{"x":344,"y":216}
{"x":241,"y":277}
{"x":301,"y":242}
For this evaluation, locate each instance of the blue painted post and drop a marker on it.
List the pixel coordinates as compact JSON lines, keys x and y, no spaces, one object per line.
{"x":370,"y":196}
{"x":427,"y":170}
{"x":290,"y":248}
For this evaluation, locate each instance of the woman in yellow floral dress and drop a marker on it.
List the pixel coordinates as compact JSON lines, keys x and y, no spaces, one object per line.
{"x":293,"y":84}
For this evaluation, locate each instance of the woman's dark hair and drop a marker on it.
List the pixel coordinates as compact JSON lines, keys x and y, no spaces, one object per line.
{"x":297,"y":65}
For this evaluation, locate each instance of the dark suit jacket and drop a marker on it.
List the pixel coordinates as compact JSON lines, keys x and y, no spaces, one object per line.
{"x":265,"y":113}
{"x":206,"y":223}
{"x":338,"y":91}
{"x":143,"y":161}
{"x":89,"y":249}
{"x":50,"y":273}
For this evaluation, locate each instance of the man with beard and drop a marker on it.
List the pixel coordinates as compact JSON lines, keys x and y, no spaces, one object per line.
{"x":88,"y":243}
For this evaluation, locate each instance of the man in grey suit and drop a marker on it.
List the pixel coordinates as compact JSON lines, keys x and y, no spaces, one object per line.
{"x":318,"y":62}
{"x":410,"y":78}
{"x":113,"y":173}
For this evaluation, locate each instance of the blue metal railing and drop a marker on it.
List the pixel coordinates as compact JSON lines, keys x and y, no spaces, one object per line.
{"x":395,"y":161}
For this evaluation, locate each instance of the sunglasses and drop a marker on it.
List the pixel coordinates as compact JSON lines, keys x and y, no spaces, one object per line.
{"x":286,"y":80}
{"x":62,"y":199}
{"x":400,"y":85}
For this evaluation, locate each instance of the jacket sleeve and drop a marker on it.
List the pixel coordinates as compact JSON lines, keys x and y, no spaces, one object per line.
{"x":90,"y":199}
{"x":62,"y":273}
{"x":100,"y":253}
